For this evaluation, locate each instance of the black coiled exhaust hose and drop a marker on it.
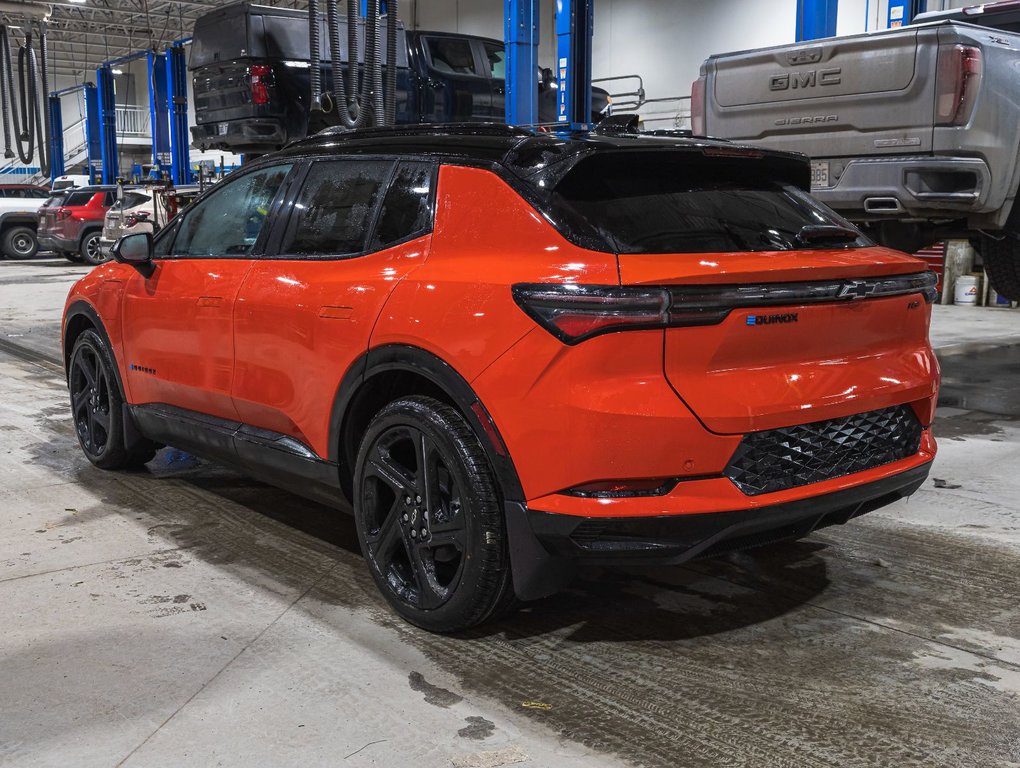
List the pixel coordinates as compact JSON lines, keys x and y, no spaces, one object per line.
{"x":390,"y":91}
{"x":30,"y":123}
{"x":315,"y":63}
{"x":335,"y":57}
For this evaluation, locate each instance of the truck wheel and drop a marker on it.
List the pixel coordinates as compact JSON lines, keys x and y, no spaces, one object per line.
{"x":19,"y":243}
{"x":90,"y":250}
{"x":1002,"y":263}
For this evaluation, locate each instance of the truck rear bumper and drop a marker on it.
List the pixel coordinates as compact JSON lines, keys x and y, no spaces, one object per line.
{"x":873,"y":189}
{"x":246,"y":135}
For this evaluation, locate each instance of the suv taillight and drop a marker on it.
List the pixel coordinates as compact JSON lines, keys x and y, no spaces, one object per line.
{"x":698,"y":107}
{"x":959,"y":74}
{"x":260,"y":76}
{"x":63,"y":214}
{"x":133,"y":218}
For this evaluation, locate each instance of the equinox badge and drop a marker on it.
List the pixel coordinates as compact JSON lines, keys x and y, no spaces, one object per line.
{"x":772,"y":319}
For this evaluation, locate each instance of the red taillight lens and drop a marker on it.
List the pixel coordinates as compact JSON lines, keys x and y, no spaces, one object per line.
{"x":63,"y":214}
{"x":260,"y":76}
{"x":959,"y":74}
{"x":133,"y":218}
{"x":698,"y":107}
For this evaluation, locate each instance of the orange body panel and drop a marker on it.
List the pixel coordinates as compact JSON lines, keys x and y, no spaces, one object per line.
{"x":299,"y":325}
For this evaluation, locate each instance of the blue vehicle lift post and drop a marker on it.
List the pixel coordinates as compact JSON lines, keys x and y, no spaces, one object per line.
{"x":521,"y":36}
{"x":159,"y":112}
{"x":93,"y":142}
{"x":574,"y":21}
{"x":177,"y":93}
{"x":816,"y":19}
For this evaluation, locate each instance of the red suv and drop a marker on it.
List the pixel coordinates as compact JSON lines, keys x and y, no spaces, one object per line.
{"x":507,"y":352}
{"x":71,"y":223}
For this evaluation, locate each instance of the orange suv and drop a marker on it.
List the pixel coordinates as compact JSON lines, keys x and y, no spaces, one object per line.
{"x":506,"y":352}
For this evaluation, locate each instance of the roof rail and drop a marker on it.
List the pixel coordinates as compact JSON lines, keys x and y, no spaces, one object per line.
{"x":426,"y":129}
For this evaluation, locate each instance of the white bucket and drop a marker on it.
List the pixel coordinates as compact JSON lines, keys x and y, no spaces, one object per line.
{"x":966,"y":290}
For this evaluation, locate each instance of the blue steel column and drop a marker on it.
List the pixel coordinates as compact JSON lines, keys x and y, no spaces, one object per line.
{"x":56,"y":139}
{"x":159,"y":113}
{"x":177,"y":89}
{"x":816,"y":19}
{"x":574,"y":21}
{"x":93,"y":134}
{"x":107,"y":124}
{"x":521,"y":19}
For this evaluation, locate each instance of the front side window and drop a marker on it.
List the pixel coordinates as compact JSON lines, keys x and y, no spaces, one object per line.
{"x":230,"y":220}
{"x":684,"y":203}
{"x":451,"y":55}
{"x":335,"y":208}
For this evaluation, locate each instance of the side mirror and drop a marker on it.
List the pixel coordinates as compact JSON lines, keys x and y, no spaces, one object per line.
{"x":135,"y":250}
{"x":547,"y":78}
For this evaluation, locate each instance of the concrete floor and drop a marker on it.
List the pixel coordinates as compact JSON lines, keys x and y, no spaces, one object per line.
{"x":186,"y":615}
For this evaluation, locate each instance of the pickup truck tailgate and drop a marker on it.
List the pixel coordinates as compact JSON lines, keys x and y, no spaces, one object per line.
{"x":867,"y":94}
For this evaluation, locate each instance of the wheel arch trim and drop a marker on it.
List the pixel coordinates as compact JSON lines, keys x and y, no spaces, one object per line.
{"x":418,"y":361}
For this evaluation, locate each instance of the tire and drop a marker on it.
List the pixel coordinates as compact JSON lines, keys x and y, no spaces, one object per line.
{"x":72,"y":256}
{"x":19,"y":243}
{"x":1002,"y":263}
{"x":460,"y":576}
{"x":89,"y":249}
{"x":96,"y":407}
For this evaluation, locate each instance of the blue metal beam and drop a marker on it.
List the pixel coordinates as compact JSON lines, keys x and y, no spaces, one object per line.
{"x":574,"y":21}
{"x":93,"y":133}
{"x":107,"y":123}
{"x":816,"y":19}
{"x":56,"y":138}
{"x":521,"y":33}
{"x":177,"y":90}
{"x":159,"y":113}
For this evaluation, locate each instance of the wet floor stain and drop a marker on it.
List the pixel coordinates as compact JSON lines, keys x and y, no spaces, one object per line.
{"x":477,"y":728}
{"x":434,"y":695}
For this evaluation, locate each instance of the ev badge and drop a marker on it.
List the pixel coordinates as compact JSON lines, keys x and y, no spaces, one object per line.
{"x":855,"y":289}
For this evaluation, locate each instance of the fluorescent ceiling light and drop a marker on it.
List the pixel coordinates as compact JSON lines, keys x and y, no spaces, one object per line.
{"x":117,"y":71}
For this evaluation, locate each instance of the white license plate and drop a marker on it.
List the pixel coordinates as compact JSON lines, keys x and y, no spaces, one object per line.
{"x":221,"y":129}
{"x":819,"y":173}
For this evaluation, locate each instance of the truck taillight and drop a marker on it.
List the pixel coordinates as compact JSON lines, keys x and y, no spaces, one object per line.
{"x":959,"y":74}
{"x":260,"y":76}
{"x":698,"y":107}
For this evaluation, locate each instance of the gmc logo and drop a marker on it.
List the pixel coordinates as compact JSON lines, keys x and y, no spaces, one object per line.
{"x":811,"y":79}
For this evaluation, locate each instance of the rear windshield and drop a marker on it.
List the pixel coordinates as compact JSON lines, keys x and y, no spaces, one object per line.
{"x":684,"y":203}
{"x":78,"y":198}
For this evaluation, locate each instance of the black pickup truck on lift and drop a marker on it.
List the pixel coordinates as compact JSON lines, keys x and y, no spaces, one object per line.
{"x":250,"y":65}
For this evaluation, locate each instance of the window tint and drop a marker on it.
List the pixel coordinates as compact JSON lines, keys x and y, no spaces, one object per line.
{"x":497,"y":61}
{"x":165,"y":239}
{"x":650,"y":203}
{"x":334,"y":210}
{"x":39,"y":194}
{"x":452,"y":55}
{"x":131,"y":199}
{"x":406,"y":210}
{"x":78,"y":198}
{"x":228,"y":222}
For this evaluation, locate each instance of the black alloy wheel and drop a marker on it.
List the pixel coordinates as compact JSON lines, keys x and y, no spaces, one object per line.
{"x":90,"y":250}
{"x":90,"y":401}
{"x":429,"y":517}
{"x":97,"y":407}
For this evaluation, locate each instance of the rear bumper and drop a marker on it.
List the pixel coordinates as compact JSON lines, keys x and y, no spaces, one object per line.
{"x":879,"y":188}
{"x":256,"y":134}
{"x":675,"y":539}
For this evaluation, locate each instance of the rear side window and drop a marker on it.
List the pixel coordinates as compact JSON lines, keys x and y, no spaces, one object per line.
{"x":655,"y":203}
{"x":131,"y":199}
{"x":451,"y":55}
{"x":406,"y":210}
{"x":497,"y":60}
{"x":335,"y":208}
